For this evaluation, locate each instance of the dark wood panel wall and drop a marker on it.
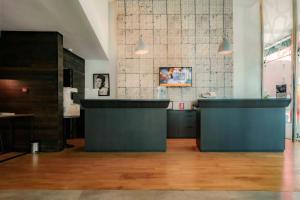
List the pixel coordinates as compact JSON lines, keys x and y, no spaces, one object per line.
{"x":34,"y":60}
{"x":74,"y":76}
{"x":77,"y":65}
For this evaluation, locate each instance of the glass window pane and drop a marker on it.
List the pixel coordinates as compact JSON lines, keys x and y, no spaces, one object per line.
{"x":278,"y":24}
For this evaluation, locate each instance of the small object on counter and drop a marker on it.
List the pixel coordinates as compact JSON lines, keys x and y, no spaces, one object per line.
{"x":209,"y":95}
{"x":181,"y":106}
{"x":162,"y":92}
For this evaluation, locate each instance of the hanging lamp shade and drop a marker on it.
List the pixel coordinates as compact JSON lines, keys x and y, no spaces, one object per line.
{"x":141,"y":47}
{"x":225,"y":47}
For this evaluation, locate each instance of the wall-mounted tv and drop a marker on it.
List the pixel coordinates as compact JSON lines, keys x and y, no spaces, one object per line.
{"x":175,"y":76}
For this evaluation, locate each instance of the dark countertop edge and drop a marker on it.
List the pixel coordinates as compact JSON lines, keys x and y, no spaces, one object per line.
{"x":242,"y":103}
{"x":125,"y":103}
{"x":245,"y":99}
{"x":128,"y":100}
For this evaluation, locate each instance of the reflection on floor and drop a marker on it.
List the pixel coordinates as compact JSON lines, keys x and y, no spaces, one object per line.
{"x":181,"y":168}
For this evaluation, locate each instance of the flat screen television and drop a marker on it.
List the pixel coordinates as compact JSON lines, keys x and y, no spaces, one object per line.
{"x":175,"y":76}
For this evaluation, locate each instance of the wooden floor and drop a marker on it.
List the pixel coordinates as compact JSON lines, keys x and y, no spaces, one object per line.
{"x":181,"y":168}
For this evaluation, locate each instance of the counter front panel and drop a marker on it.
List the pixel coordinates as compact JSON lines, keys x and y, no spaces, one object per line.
{"x":125,"y":125}
{"x":256,"y":125}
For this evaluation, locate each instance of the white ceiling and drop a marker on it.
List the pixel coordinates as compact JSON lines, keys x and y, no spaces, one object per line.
{"x":64,"y":16}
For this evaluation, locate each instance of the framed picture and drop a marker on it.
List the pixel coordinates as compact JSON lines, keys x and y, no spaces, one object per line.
{"x":101,"y":82}
{"x":281,"y":91}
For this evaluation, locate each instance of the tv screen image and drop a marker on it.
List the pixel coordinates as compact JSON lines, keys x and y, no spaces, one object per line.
{"x":175,"y":76}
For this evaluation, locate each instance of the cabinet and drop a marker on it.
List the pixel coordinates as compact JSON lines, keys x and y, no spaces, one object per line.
{"x":182,"y":123}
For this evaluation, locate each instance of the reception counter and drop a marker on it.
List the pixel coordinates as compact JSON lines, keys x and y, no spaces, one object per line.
{"x":252,"y":125}
{"x":125,"y":125}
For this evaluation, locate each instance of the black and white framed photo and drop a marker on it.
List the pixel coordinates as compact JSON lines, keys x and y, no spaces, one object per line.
{"x":101,"y":82}
{"x":281,"y":91}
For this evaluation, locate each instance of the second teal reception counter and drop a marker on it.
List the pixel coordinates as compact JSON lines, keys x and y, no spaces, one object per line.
{"x":254,"y":125}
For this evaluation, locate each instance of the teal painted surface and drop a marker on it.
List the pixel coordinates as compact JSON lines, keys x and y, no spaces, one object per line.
{"x":243,"y":103}
{"x":241,"y":129}
{"x":126,"y":129}
{"x":181,"y":123}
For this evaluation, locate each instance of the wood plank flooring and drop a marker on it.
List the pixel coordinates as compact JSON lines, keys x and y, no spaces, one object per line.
{"x":10,"y":155}
{"x":181,"y":168}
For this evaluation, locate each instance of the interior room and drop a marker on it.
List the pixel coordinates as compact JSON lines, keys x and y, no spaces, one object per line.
{"x":149,"y":99}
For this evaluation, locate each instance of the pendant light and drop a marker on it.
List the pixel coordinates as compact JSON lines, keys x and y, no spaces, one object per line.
{"x":141,"y":47}
{"x":225,"y":47}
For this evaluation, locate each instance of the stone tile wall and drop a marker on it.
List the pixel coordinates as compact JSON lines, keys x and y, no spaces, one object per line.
{"x":178,"y":33}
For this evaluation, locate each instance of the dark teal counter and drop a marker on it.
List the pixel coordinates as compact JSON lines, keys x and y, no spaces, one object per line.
{"x":254,"y":125}
{"x":124,"y":103}
{"x":125,"y":125}
{"x":243,"y":103}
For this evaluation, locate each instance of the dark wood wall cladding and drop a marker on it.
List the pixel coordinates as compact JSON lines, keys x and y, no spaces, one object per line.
{"x":74,"y":76}
{"x":29,"y":49}
{"x":77,"y":65}
{"x":60,"y":91}
{"x":34,"y":60}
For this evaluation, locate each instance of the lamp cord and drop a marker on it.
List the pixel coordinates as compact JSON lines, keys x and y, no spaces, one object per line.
{"x":223,"y":19}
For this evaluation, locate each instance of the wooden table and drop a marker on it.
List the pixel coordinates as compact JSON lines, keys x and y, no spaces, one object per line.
{"x":13,"y":119}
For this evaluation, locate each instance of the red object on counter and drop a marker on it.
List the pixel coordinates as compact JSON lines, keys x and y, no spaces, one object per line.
{"x":181,"y":106}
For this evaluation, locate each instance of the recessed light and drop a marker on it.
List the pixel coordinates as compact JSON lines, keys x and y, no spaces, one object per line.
{"x":24,"y":89}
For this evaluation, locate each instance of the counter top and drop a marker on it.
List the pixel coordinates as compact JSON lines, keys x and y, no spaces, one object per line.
{"x":242,"y":103}
{"x":125,"y":103}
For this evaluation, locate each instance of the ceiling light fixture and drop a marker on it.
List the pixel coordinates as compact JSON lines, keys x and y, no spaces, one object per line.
{"x":141,"y":47}
{"x":225,"y":47}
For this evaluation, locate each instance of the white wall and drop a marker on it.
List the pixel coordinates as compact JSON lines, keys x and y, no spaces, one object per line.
{"x":97,"y":11}
{"x":104,"y":66}
{"x":246,"y":45}
{"x":278,"y":72}
{"x":94,"y":67}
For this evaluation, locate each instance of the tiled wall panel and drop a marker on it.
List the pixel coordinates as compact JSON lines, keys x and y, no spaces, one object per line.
{"x":178,"y":33}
